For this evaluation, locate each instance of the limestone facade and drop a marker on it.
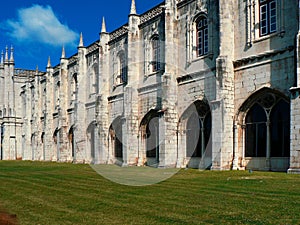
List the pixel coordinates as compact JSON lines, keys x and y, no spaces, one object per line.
{"x":189,"y":83}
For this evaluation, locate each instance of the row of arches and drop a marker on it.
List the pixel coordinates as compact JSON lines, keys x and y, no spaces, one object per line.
{"x":264,"y":120}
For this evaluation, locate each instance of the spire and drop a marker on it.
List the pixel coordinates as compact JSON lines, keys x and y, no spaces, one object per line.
{"x":103,"y":29}
{"x":49,"y":62}
{"x":37,"y":70}
{"x":63,"y":53}
{"x":11,"y":54}
{"x":81,"y":40}
{"x":133,"y":8}
{"x":6,"y":54}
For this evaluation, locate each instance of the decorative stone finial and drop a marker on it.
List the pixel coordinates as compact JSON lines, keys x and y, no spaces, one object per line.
{"x":80,"y":40}
{"x":49,"y":62}
{"x":103,"y":28}
{"x":11,"y":54}
{"x":63,"y":53}
{"x":133,"y":8}
{"x":6,"y":54}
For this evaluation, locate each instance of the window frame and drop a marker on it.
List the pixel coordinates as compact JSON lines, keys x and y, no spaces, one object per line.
{"x":202,"y":36}
{"x":121,"y":70}
{"x":267,"y":4}
{"x":155,"y":54}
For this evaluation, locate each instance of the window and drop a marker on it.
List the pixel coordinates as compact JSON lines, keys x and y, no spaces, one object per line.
{"x":280,"y":130}
{"x":198,"y":130}
{"x":122,"y":69}
{"x":267,"y":12}
{"x":155,"y":54}
{"x":268,"y":129}
{"x":123,"y":72}
{"x":73,"y":88}
{"x":256,"y":132}
{"x":202,"y":36}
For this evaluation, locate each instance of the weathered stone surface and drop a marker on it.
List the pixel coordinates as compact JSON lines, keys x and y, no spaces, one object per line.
{"x":102,"y":105}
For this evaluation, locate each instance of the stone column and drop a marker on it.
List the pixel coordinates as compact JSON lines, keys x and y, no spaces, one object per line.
{"x":168,"y":93}
{"x":79,"y":110}
{"x":295,"y":117}
{"x":223,"y":107}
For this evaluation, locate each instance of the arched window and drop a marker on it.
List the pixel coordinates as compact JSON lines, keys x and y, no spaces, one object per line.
{"x":202,"y":36}
{"x":56,"y":93}
{"x":256,"y":132}
{"x":122,"y":69}
{"x":156,"y":59}
{"x":116,"y":136}
{"x":198,"y":130}
{"x":73,"y":87}
{"x":267,"y":131}
{"x":43,"y":137}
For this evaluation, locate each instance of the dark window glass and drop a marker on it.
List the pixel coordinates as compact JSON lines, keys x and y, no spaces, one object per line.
{"x":267,"y":11}
{"x":155,"y":54}
{"x":202,"y":36}
{"x":280,"y":130}
{"x":256,"y":132}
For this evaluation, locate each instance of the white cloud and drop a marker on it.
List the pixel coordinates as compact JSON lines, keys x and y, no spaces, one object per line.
{"x":40,"y":24}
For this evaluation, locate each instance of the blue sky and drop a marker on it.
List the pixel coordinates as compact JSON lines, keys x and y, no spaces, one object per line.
{"x":39,"y":28}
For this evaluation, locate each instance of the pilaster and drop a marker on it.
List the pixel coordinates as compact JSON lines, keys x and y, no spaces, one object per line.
{"x":295,"y":117}
{"x":168,"y":91}
{"x":223,"y":106}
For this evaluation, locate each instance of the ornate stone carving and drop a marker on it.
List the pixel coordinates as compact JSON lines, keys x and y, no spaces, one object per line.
{"x":151,"y":14}
{"x":117,"y":33}
{"x":202,"y":5}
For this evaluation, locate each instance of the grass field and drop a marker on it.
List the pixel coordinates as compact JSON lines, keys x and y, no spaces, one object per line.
{"x":54,"y":193}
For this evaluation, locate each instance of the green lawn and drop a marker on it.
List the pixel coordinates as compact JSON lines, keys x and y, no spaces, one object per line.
{"x":54,"y":193}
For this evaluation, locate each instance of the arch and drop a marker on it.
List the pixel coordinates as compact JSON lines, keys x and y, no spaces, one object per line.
{"x":91,"y":137}
{"x":43,"y":137}
{"x":72,"y":140}
{"x":93,"y":78}
{"x":116,"y":137}
{"x":55,"y":135}
{"x":121,"y":68}
{"x":264,"y":120}
{"x":73,"y":89}
{"x":194,"y":131}
{"x":150,"y":135}
{"x":251,"y":99}
{"x":201,"y":27}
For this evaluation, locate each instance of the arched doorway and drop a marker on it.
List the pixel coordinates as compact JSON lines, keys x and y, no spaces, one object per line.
{"x":194,"y":135}
{"x":72,"y":142}
{"x":56,"y":140}
{"x":116,"y":138}
{"x":91,"y":138}
{"x":266,"y":131}
{"x":150,"y":135}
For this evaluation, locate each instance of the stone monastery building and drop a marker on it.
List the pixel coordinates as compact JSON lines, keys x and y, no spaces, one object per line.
{"x":210,"y":84}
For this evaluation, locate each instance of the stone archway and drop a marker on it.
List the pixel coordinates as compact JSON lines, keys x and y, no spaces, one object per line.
{"x":264,"y":131}
{"x":116,"y":140}
{"x":72,"y":142}
{"x":150,"y":138}
{"x":91,"y":141}
{"x":194,"y":131}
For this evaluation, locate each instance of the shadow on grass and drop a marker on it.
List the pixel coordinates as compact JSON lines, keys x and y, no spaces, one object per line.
{"x":134,"y":176}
